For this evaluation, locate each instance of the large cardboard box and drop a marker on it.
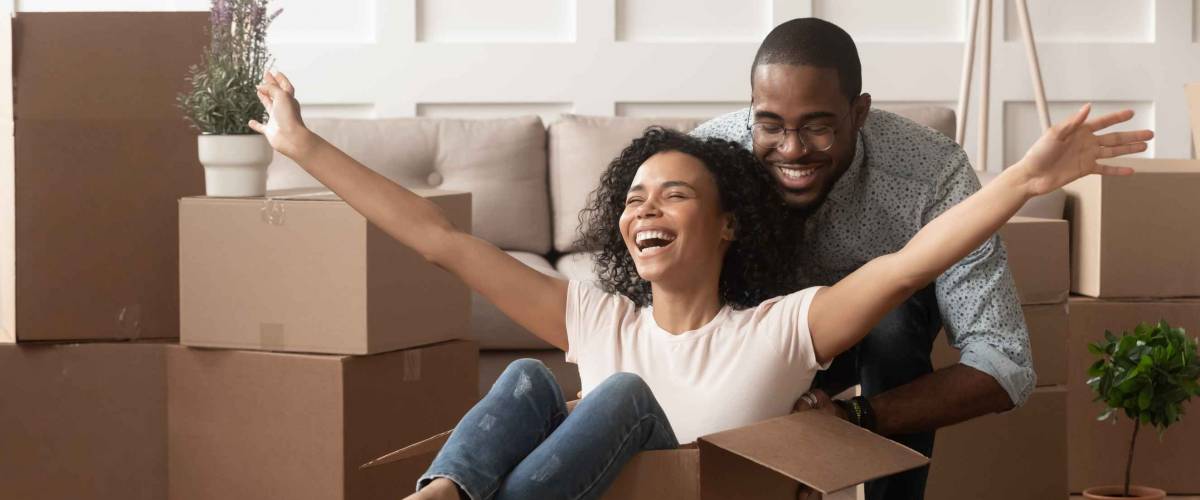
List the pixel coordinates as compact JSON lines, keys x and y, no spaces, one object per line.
{"x":1016,"y":454}
{"x":1047,"y":325}
{"x":1097,"y":450}
{"x":83,"y":421}
{"x":301,"y":271}
{"x":1137,"y":236}
{"x":1038,"y":258}
{"x":770,"y":460}
{"x":253,"y":425}
{"x":88,"y":185}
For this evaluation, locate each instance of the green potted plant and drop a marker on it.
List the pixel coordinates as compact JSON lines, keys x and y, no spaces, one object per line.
{"x":223,"y":99}
{"x":1148,"y":375}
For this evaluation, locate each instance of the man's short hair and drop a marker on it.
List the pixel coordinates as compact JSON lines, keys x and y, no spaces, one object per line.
{"x":813,"y":42}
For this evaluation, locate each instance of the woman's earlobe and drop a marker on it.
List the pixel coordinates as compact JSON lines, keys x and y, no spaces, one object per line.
{"x":729,"y":232}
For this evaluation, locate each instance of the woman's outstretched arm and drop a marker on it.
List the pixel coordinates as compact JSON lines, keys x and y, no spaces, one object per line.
{"x":843,"y":314}
{"x":532,"y":299}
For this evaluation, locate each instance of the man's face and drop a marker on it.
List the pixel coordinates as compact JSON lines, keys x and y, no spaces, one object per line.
{"x":800,"y":98}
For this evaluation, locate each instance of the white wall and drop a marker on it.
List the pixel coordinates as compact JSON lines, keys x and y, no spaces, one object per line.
{"x":383,"y":58}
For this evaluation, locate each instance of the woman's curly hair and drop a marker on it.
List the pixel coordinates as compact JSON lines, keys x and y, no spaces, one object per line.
{"x":759,"y":264}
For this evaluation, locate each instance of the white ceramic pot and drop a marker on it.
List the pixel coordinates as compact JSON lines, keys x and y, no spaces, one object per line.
{"x":234,"y":165}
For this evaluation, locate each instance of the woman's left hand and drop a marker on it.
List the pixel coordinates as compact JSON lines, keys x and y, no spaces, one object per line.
{"x":285,"y":128}
{"x":1069,"y":150}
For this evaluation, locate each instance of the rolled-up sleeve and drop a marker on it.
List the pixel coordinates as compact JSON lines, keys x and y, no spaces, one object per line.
{"x":983,"y":319}
{"x":978,"y":300}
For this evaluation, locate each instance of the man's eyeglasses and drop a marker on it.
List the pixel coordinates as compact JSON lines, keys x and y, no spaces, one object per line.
{"x":812,"y":137}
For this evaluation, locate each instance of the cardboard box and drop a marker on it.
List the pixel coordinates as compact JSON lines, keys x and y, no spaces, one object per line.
{"x":88,"y":187}
{"x":493,"y":363}
{"x":1047,"y":339}
{"x":83,"y":421}
{"x":1016,"y":454}
{"x":253,"y":425}
{"x":768,"y":460}
{"x":1193,"y":98}
{"x":1137,"y":236}
{"x":1097,"y":450}
{"x":301,"y":271}
{"x":1038,"y":258}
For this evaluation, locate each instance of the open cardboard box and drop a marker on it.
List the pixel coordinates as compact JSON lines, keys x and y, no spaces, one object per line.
{"x":301,"y":271}
{"x":768,"y":460}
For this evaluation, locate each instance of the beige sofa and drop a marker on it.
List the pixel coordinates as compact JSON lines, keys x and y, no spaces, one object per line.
{"x":528,"y":183}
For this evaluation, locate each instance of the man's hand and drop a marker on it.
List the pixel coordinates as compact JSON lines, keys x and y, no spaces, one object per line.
{"x":817,"y":400}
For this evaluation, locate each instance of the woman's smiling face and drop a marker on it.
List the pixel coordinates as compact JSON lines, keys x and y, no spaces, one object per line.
{"x":673,"y":224}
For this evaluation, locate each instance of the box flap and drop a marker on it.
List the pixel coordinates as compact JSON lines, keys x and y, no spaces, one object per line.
{"x":820,"y":451}
{"x":424,"y":447}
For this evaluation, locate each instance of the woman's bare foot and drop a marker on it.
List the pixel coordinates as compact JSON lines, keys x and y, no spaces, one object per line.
{"x":438,"y":489}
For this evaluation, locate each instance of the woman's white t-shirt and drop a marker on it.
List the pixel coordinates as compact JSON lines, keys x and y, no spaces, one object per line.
{"x":742,"y":367}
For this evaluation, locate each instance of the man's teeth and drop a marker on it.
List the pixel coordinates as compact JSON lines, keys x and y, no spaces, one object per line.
{"x":796,"y":173}
{"x":646,"y":235}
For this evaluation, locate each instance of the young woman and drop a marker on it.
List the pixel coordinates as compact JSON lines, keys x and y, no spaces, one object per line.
{"x":684,"y":334}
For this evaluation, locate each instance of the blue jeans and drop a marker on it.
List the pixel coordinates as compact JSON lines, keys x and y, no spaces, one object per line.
{"x":519,"y":442}
{"x":896,"y":352}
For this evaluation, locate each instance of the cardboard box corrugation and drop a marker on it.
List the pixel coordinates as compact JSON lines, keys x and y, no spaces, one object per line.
{"x":253,"y":424}
{"x":304,"y":272}
{"x":83,"y":421}
{"x":1097,"y":450}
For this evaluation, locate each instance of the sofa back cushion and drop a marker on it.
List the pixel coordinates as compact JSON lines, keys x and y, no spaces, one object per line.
{"x":501,"y":162}
{"x":581,"y":147}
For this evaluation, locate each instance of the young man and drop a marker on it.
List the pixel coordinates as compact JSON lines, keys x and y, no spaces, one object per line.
{"x":869,"y":181}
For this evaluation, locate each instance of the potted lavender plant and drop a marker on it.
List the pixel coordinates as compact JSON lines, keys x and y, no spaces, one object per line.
{"x":223,"y":99}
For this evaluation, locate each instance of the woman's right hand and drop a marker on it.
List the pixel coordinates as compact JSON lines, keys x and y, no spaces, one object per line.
{"x":285,"y":128}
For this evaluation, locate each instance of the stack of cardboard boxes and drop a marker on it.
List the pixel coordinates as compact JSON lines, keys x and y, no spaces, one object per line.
{"x":979,"y":459}
{"x":89,"y":178}
{"x":336,"y":343}
{"x":311,"y":342}
{"x":1134,"y":258}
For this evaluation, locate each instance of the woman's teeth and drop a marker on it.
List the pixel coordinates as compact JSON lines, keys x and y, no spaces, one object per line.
{"x":659,"y":235}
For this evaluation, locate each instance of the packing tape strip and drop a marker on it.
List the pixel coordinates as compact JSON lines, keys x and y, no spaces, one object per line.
{"x":412,"y":365}
{"x":129,"y":321}
{"x":270,"y":335}
{"x":273,"y":212}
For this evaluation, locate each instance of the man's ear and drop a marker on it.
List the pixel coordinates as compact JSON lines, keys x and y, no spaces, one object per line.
{"x":862,"y":107}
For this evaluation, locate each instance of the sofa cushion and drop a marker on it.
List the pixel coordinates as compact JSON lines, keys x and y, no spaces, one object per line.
{"x":492,"y":329}
{"x":581,"y":147}
{"x":576,"y":266}
{"x":501,"y":162}
{"x":938,"y":118}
